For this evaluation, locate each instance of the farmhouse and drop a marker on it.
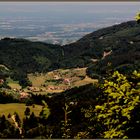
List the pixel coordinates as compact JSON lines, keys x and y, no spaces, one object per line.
{"x":1,"y":81}
{"x":24,"y":95}
{"x":66,"y":81}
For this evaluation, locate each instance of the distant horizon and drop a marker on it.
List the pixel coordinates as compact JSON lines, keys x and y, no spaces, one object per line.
{"x":61,"y":22}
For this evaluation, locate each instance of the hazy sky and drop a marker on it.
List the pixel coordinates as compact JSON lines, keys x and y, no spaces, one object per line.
{"x":68,"y":7}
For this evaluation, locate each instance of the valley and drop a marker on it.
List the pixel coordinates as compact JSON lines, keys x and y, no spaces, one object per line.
{"x":71,"y":91}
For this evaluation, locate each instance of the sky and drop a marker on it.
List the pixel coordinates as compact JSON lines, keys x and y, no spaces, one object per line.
{"x":67,"y":7}
{"x":69,"y":10}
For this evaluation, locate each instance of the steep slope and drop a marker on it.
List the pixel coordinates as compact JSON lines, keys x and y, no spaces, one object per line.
{"x":115,"y":47}
{"x":23,"y":56}
{"x":103,"y":38}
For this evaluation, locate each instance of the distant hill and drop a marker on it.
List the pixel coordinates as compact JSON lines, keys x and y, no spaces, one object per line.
{"x":23,"y":56}
{"x":116,"y":47}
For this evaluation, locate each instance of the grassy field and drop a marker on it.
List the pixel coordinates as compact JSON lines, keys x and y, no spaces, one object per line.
{"x":5,"y":109}
{"x":86,"y":80}
{"x":37,"y":80}
{"x":13,"y":84}
{"x":76,"y":76}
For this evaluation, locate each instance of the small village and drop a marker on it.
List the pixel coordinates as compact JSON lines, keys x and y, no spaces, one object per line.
{"x":53,"y":82}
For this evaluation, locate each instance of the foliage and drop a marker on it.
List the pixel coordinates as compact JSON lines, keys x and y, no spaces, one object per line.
{"x":27,"y":111}
{"x":23,"y":56}
{"x":4,"y":71}
{"x":66,"y":123}
{"x":25,"y":82}
{"x":114,"y":112}
{"x":8,"y":96}
{"x":137,"y":17}
{"x":45,"y":110}
{"x":7,"y":130}
{"x":106,"y":110}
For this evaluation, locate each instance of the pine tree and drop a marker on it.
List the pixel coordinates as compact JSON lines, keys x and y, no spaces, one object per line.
{"x":27,"y":112}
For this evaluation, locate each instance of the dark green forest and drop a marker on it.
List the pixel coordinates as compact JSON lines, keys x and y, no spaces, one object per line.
{"x":122,"y":41}
{"x":107,"y":109}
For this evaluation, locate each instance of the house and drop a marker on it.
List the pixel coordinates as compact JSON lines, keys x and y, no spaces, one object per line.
{"x":51,"y":88}
{"x":34,"y":89}
{"x":23,"y":95}
{"x":66,"y":81}
{"x":1,"y":81}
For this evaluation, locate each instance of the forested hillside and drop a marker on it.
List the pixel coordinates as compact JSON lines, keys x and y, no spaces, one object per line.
{"x":100,"y":78}
{"x":114,"y":47}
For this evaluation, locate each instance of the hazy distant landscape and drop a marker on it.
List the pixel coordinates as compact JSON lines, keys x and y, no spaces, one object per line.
{"x":69,"y":70}
{"x":60,"y":23}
